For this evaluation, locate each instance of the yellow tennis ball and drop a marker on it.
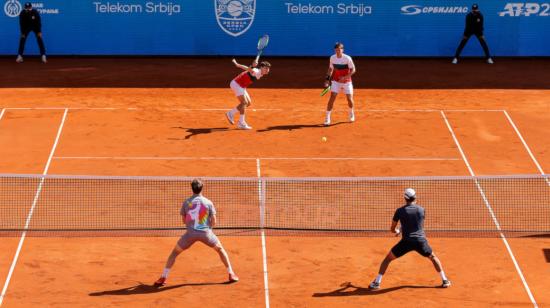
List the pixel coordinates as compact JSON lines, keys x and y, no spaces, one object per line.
{"x":324,"y":139}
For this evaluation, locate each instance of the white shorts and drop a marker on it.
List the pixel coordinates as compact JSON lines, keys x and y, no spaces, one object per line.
{"x":237,"y":89}
{"x":338,"y":87}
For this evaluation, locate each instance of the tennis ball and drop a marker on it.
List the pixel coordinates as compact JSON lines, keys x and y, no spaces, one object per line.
{"x":324,"y":139}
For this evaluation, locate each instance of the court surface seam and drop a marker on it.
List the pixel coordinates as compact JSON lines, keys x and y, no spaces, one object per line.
{"x":488,"y":205}
{"x":29,"y":216}
{"x":261,"y":195}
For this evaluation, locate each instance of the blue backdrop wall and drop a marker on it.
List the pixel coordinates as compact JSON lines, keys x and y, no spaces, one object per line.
{"x":296,"y":27}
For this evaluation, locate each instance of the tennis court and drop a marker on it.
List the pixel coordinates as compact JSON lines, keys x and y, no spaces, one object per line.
{"x":411,"y":133}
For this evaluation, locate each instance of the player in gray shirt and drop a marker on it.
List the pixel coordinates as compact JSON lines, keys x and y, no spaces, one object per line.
{"x":411,"y":216}
{"x":199,"y":216}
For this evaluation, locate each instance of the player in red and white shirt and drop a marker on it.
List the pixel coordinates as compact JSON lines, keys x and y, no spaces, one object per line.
{"x":339,"y":77}
{"x":239,"y":85}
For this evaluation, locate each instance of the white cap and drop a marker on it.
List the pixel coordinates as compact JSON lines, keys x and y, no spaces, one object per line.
{"x":410,"y":194}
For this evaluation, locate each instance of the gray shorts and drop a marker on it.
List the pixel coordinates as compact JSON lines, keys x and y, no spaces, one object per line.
{"x":192,"y":236}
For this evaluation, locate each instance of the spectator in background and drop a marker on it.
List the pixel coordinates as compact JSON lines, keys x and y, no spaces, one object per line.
{"x":474,"y":26}
{"x":29,"y":20}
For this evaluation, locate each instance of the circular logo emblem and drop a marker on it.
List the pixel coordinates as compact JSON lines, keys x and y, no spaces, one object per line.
{"x":235,"y":8}
{"x":12,"y":8}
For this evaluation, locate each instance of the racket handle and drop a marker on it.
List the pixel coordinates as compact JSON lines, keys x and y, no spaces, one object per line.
{"x":258,"y":56}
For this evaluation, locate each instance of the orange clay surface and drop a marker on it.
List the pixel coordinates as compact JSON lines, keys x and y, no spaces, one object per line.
{"x":184,"y":132}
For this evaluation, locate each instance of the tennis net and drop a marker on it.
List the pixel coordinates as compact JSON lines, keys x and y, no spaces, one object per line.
{"x":109,"y":206}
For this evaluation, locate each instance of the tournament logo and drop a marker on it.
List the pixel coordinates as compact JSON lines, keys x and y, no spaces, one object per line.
{"x":12,"y":8}
{"x":235,"y":16}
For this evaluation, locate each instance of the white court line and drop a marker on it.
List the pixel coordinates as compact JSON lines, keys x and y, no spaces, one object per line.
{"x":261,"y":195}
{"x":253,"y":158}
{"x":2,"y":113}
{"x":252,"y":109}
{"x":29,"y":216}
{"x":526,"y":146}
{"x":495,"y":221}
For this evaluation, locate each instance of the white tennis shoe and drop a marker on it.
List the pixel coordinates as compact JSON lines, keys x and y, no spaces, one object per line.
{"x":44,"y":60}
{"x":327,"y":121}
{"x":455,"y":61}
{"x":19,"y":59}
{"x":230,"y":118}
{"x":490,"y":61}
{"x":243,"y":125}
{"x":352,"y":116}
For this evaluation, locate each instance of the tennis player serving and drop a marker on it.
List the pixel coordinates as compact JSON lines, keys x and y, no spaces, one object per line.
{"x":411,"y":216}
{"x":199,"y":216}
{"x":339,"y":73}
{"x":239,"y":85}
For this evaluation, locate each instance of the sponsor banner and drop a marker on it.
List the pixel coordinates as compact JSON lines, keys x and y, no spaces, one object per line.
{"x":295,"y":27}
{"x":415,"y":9}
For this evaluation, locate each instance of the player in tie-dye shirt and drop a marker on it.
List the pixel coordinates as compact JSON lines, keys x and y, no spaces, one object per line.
{"x":199,"y":216}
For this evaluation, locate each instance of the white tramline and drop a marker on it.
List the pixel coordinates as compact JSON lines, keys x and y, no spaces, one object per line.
{"x":31,"y":211}
{"x":490,"y":209}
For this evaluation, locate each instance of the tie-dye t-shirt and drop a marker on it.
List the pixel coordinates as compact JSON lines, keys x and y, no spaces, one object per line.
{"x":197,"y":211}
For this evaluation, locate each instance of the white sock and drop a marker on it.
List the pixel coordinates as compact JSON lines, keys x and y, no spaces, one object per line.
{"x":378,"y":279}
{"x":242,"y":119}
{"x":229,"y":268}
{"x":328,"y":114}
{"x":351,"y":111}
{"x":443,"y":277}
{"x":165,"y":273}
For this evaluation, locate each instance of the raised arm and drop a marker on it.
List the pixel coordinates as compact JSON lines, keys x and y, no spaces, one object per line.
{"x":244,"y":67}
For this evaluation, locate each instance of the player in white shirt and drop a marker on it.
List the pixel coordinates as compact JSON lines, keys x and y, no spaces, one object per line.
{"x":339,"y":74}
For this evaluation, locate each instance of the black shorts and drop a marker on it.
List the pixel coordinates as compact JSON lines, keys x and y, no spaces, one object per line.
{"x":406,"y":245}
{"x":29,"y":30}
{"x":477,"y":34}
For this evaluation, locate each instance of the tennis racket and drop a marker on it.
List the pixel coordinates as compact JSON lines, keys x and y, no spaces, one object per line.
{"x":262,"y":43}
{"x":325,"y":90}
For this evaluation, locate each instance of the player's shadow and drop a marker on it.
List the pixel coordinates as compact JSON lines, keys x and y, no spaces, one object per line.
{"x":348,"y":289}
{"x":199,"y":131}
{"x":141,"y":288}
{"x":296,"y":126}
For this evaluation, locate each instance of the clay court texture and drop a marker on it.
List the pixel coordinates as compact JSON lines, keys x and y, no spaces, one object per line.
{"x":165,"y":117}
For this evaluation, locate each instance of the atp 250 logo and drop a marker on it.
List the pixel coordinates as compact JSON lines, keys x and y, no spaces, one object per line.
{"x":12,"y":8}
{"x":525,"y":9}
{"x":235,"y":16}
